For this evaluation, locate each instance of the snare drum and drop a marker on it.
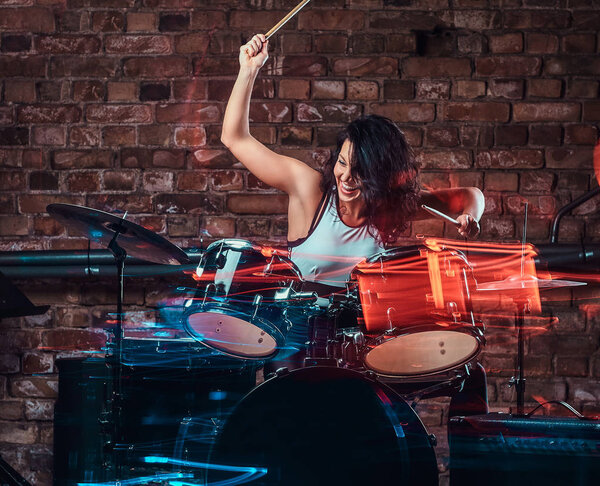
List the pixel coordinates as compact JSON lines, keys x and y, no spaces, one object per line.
{"x":416,"y":311}
{"x":243,"y":295}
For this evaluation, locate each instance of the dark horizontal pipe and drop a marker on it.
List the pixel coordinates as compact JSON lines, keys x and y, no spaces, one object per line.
{"x":82,"y":271}
{"x":74,"y":257}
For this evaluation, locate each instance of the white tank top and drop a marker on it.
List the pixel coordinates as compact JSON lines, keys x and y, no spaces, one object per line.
{"x":332,"y":249}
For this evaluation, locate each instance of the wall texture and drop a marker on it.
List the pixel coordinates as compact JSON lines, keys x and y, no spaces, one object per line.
{"x":117,"y":104}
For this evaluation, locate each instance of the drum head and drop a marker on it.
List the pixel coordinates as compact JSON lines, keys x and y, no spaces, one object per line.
{"x":232,"y":335}
{"x":323,"y":426}
{"x":422,"y":353}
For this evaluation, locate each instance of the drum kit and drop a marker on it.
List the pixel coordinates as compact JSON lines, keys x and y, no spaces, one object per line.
{"x":405,"y":316}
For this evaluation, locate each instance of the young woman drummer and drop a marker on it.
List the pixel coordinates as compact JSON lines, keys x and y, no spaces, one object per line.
{"x":361,"y":200}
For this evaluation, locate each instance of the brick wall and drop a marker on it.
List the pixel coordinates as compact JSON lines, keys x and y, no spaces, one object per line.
{"x":117,"y":105}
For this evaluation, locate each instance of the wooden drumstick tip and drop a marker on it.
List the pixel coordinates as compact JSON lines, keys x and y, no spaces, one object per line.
{"x":285,"y":19}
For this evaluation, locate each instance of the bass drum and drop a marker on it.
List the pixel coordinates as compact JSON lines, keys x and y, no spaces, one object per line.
{"x":323,"y":426}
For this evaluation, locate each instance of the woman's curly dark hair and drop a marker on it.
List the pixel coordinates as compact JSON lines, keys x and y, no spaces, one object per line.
{"x":385,"y":165}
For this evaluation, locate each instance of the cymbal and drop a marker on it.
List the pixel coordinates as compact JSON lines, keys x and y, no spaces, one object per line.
{"x":100,"y":227}
{"x":518,"y":282}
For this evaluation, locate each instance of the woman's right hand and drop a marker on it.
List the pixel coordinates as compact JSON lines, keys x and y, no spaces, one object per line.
{"x":255,"y":53}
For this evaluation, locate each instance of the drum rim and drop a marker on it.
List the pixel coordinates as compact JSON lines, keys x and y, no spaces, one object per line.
{"x":471,"y":330}
{"x":279,"y":338}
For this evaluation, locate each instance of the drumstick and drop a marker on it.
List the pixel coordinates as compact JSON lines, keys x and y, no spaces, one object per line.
{"x":284,"y":20}
{"x":439,"y":214}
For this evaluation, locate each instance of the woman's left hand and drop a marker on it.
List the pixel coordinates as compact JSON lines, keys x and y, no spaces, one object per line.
{"x":469,"y":227}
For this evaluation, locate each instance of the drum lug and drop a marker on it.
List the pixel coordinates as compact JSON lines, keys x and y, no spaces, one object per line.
{"x":432,"y":439}
{"x":256,"y":304}
{"x":282,"y":372}
{"x":371,"y":375}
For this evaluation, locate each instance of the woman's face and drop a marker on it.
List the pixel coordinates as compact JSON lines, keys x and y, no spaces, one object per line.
{"x":348,"y":188}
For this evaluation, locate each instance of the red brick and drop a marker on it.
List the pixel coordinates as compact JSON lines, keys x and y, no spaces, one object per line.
{"x":365,"y":44}
{"x":436,"y":136}
{"x":122,"y":91}
{"x":497,"y":228}
{"x":158,"y":181}
{"x":154,"y":135}
{"x":192,"y":181}
{"x":472,"y":43}
{"x":255,"y":20}
{"x":455,"y":159}
{"x":545,"y":88}
{"x":266,"y":135}
{"x":67,"y":44}
{"x":83,"y":182}
{"x":542,"y":43}
{"x":39,"y":409}
{"x":591,"y":111}
{"x":510,"y":43}
{"x":208,"y":19}
{"x":178,"y":226}
{"x":227,"y":180}
{"x":439,"y":67}
{"x":155,"y":67}
{"x":365,"y":66}
{"x":132,"y":203}
{"x":36,"y":362}
{"x":11,"y":180}
{"x":216,"y":159}
{"x":401,"y":42}
{"x":523,"y":112}
{"x":473,"y":19}
{"x":501,"y":181}
{"x":508,"y":66}
{"x":141,"y":22}
{"x":572,"y":65}
{"x":511,"y":135}
{"x":27,"y":19}
{"x":187,"y":113}
{"x":545,"y":135}
{"x":191,"y":43}
{"x":328,"y":90}
{"x":201,"y":203}
{"x":174,"y":158}
{"x":219,"y":227}
{"x":11,"y":409}
{"x":475,"y":111}
{"x":300,"y":66}
{"x":9,"y":363}
{"x":295,"y":89}
{"x":581,"y":134}
{"x":190,"y":90}
{"x":271,"y":112}
{"x":536,"y":19}
{"x":21,"y":91}
{"x":88,"y":91}
{"x":405,"y":112}
{"x":84,"y":136}
{"x":82,"y":159}
{"x":565,"y":158}
{"x":119,"y":180}
{"x":389,"y":19}
{"x":62,"y":339}
{"x":257,"y":204}
{"x":213,"y":66}
{"x":219,"y":90}
{"x":14,"y":226}
{"x":31,"y":66}
{"x":290,"y":42}
{"x":296,"y":135}
{"x":36,"y":203}
{"x":108,"y":21}
{"x":119,"y":135}
{"x":190,"y":137}
{"x":513,"y":159}
{"x":18,"y":433}
{"x":139,"y":44}
{"x":398,"y":90}
{"x":48,"y":114}
{"x":33,"y":386}
{"x":582,"y":88}
{"x":468,"y":89}
{"x":333,"y":43}
{"x":586,"y":19}
{"x":538,"y":205}
{"x":433,"y":90}
{"x":506,"y":88}
{"x":331,"y":19}
{"x":579,"y":43}
{"x":88,"y":66}
{"x":363,"y":90}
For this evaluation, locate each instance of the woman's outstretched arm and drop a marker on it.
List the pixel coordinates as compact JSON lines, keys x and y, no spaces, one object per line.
{"x":284,"y":173}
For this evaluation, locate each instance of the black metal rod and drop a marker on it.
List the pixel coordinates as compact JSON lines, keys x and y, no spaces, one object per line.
{"x":568,"y":207}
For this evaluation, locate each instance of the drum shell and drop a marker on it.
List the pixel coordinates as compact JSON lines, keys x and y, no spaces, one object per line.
{"x":325,"y":425}
{"x":402,"y":287}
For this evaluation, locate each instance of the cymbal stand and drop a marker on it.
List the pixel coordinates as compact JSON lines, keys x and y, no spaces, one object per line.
{"x":120,"y":255}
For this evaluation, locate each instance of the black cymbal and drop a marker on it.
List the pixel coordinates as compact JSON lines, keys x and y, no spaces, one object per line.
{"x":100,"y":227}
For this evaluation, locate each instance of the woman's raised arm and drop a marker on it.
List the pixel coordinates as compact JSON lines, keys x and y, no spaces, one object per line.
{"x":283,"y":173}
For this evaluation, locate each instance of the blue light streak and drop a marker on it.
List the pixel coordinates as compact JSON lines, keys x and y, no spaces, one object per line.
{"x":142,"y":480}
{"x":249,"y":473}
